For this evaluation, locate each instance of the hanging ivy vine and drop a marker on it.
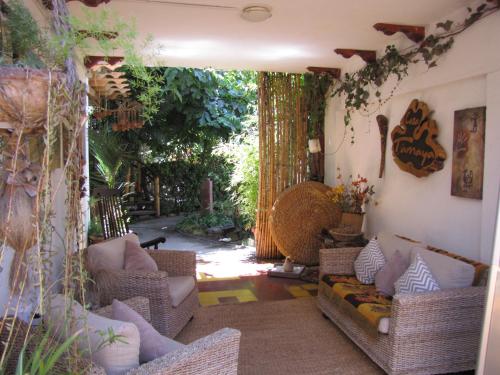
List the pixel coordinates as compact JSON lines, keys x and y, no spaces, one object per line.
{"x":360,"y":87}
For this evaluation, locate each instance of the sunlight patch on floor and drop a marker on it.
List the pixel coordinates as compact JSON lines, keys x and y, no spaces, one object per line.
{"x":227,"y":264}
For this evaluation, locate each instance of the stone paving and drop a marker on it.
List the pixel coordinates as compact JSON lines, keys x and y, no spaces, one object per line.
{"x":215,"y":259}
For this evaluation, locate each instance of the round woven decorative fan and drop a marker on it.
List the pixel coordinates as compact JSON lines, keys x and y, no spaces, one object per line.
{"x":297,"y":218}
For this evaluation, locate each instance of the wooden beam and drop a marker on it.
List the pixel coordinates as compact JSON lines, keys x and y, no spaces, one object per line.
{"x":334,"y":72}
{"x":367,"y":55}
{"x":414,"y":33}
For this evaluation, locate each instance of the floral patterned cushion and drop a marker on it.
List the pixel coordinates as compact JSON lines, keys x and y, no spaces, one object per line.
{"x":362,"y":299}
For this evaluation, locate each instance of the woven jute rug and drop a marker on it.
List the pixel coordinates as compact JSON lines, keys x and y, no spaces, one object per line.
{"x":283,"y":337}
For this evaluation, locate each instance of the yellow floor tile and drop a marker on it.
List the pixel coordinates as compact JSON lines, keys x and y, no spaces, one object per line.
{"x":202,"y":277}
{"x":212,"y":298}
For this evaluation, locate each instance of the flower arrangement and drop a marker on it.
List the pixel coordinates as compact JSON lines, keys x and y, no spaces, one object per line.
{"x":351,"y":196}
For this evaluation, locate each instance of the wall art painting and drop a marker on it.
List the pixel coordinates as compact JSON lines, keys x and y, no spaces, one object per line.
{"x":468,"y":153}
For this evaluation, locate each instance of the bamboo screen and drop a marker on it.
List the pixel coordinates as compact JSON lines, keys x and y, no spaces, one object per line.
{"x":282,"y":147}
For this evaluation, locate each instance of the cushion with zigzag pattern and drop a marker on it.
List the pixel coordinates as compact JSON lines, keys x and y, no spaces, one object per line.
{"x":369,"y":261}
{"x":418,"y":278}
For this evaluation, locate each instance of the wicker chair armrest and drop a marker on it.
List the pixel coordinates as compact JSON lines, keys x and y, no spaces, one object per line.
{"x":213,"y":354}
{"x":175,"y":262}
{"x":138,"y":304}
{"x":123,"y":285}
{"x":444,"y":311}
{"x":338,"y":261}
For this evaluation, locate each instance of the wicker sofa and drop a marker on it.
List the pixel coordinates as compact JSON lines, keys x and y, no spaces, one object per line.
{"x":429,"y":333}
{"x":216,"y":353}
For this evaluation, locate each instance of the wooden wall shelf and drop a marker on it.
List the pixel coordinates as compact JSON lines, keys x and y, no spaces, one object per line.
{"x":110,"y":62}
{"x":414,"y":33}
{"x":367,"y":55}
{"x":89,"y":3}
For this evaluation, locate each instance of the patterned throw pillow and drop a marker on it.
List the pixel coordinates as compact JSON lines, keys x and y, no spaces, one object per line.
{"x":417,"y":278}
{"x":369,"y":261}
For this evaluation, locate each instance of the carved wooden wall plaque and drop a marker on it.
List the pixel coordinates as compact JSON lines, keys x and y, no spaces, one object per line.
{"x":414,"y":145}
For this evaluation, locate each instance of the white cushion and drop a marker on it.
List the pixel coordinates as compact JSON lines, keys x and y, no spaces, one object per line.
{"x":110,"y":254}
{"x":389,"y":243}
{"x":117,"y":357}
{"x":449,"y":272}
{"x":417,"y":279}
{"x":369,"y":261}
{"x":383,"y":325}
{"x":179,"y":288}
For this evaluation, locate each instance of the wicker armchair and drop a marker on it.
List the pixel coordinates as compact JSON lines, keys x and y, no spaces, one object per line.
{"x":167,"y":316}
{"x":430,"y":333}
{"x":216,"y":353}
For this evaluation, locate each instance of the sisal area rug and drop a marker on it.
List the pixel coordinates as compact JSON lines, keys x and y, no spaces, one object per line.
{"x":283,"y":337}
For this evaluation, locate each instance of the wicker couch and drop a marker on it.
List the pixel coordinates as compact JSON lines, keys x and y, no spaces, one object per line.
{"x":429,"y":333}
{"x":216,"y":353}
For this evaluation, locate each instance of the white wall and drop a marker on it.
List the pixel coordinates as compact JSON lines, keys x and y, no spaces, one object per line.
{"x":422,"y":208}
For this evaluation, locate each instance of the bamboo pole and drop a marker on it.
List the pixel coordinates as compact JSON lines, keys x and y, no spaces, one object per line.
{"x":282,"y":148}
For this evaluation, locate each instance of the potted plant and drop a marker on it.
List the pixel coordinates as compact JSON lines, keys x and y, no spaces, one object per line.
{"x":351,"y":197}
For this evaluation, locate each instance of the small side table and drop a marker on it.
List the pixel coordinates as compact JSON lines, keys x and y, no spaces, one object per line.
{"x":329,"y":242}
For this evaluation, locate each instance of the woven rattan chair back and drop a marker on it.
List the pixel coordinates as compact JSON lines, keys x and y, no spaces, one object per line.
{"x":109,"y":205}
{"x":297,"y":218}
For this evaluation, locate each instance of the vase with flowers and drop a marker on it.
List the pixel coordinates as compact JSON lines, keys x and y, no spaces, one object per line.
{"x":351,"y":196}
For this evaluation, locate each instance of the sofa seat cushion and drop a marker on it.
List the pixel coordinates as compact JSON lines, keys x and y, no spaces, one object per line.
{"x":480,"y":269}
{"x":449,"y":272}
{"x":180,"y":287}
{"x":389,"y":243}
{"x":364,"y":301}
{"x":66,"y":317}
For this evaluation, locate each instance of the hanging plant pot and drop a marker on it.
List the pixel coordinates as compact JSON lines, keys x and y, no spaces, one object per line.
{"x":24,"y":97}
{"x":353,"y":220}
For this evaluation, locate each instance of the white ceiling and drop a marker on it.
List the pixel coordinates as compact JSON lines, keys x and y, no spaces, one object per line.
{"x":300,"y":33}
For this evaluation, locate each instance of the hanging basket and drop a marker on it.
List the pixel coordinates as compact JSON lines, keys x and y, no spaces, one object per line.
{"x":24,"y":96}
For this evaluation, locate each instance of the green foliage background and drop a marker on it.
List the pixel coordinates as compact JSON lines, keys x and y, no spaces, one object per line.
{"x":201,"y":130}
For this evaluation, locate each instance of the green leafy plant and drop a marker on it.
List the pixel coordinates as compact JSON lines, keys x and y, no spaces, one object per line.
{"x":198,"y":224}
{"x":26,"y":41}
{"x":316,"y":88}
{"x":359,"y":87}
{"x":109,"y":157}
{"x":26,"y":44}
{"x":44,"y":356}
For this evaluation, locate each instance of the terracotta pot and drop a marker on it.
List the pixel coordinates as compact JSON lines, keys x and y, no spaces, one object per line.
{"x":354,"y":220}
{"x":23,"y":97}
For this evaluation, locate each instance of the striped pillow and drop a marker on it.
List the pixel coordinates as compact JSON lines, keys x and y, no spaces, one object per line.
{"x":369,"y":261}
{"x":417,"y":278}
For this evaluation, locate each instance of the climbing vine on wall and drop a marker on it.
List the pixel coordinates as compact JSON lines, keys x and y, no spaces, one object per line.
{"x":362,"y":88}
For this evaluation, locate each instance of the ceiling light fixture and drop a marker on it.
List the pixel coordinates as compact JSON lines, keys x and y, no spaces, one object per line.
{"x":256,"y":13}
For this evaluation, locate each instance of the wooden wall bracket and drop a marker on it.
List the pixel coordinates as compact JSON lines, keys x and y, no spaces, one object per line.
{"x":367,"y":55}
{"x":112,"y":62}
{"x":414,"y":33}
{"x":334,"y":72}
{"x":89,"y":3}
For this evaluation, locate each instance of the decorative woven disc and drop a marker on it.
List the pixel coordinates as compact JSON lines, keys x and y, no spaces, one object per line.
{"x":297,"y":218}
